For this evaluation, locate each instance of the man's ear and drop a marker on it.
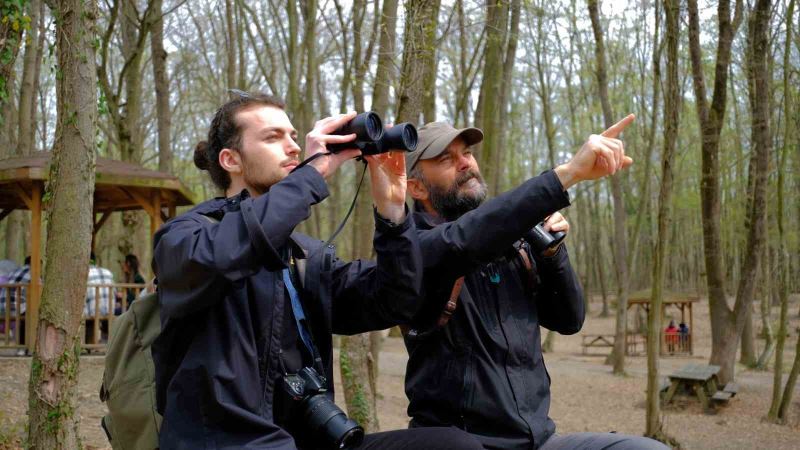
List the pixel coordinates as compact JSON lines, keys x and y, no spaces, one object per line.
{"x":230,"y":160}
{"x":417,"y":190}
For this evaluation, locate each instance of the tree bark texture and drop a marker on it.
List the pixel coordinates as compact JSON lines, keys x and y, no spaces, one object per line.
{"x":672,"y":104}
{"x":418,"y":45}
{"x":53,"y":421}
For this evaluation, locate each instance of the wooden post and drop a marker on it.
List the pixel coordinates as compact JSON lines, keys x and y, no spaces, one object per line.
{"x":155,"y":217}
{"x":32,"y":310}
{"x":691,"y":331}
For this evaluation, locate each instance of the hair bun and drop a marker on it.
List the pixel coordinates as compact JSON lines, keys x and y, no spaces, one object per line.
{"x":201,"y":155}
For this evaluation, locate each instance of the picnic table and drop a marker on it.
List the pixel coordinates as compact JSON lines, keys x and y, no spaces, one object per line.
{"x":596,"y":340}
{"x":701,"y":380}
{"x":633,"y":341}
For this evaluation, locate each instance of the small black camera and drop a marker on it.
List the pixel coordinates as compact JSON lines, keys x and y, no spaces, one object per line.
{"x":326,"y":421}
{"x":542,"y":241}
{"x":372,"y":139}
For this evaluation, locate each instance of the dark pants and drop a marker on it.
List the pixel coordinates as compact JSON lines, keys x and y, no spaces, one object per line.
{"x":601,"y":441}
{"x":432,"y":438}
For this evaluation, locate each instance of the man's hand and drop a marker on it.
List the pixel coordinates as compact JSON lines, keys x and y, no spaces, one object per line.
{"x":387,"y":173}
{"x":600,"y":156}
{"x":556,"y":222}
{"x":318,"y":139}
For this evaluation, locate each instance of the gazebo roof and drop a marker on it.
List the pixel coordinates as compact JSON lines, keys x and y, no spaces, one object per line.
{"x":668,"y":297}
{"x":119,"y":185}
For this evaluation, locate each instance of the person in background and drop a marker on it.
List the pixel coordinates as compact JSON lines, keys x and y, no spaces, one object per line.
{"x":671,"y":336}
{"x":131,"y":274}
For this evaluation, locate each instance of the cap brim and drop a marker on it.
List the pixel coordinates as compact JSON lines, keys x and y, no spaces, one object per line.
{"x":471,"y":136}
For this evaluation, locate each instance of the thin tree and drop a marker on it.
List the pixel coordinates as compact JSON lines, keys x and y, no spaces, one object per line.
{"x":26,"y":123}
{"x":357,"y":364}
{"x":161,"y":79}
{"x":53,"y":420}
{"x":783,"y":256}
{"x":620,"y":237}
{"x":672,"y":104}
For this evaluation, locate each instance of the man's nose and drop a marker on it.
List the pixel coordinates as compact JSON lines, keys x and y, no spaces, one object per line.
{"x":463,"y":163}
{"x":293,"y":148}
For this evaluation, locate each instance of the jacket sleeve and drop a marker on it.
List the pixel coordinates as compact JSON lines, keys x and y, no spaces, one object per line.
{"x":559,"y":299}
{"x":485,"y":232}
{"x":374,"y":296}
{"x":194,"y":258}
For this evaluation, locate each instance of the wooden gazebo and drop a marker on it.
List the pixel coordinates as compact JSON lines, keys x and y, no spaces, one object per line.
{"x":119,"y":186}
{"x":682,"y":343}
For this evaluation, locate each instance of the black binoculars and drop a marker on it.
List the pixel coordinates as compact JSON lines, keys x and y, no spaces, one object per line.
{"x":372,"y":138}
{"x":542,"y":241}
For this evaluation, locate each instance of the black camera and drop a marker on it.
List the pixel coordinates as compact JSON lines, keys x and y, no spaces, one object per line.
{"x":542,"y":241}
{"x":325,"y":421}
{"x":372,"y":139}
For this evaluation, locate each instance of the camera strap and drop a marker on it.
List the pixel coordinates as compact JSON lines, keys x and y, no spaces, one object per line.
{"x":300,"y":320}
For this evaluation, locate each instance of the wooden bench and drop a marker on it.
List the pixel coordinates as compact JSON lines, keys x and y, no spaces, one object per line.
{"x":731,"y":388}
{"x":721,"y":397}
{"x":596,"y":340}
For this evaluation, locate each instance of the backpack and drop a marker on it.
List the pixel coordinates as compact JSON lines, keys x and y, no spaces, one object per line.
{"x":129,"y":382}
{"x":129,"y":386}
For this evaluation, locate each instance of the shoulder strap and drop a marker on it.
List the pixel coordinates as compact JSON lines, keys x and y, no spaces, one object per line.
{"x":452,"y":303}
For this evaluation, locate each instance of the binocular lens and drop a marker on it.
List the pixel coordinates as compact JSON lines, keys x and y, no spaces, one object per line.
{"x":409,"y":136}
{"x":373,"y":126}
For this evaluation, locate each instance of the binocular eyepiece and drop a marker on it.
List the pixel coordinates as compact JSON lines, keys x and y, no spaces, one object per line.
{"x":372,"y":138}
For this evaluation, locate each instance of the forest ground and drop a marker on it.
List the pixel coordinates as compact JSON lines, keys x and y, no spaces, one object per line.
{"x":585,"y":395}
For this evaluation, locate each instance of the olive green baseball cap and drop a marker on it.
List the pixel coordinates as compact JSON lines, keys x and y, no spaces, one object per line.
{"x":433,"y":138}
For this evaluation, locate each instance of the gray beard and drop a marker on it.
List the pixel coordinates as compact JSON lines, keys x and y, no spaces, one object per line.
{"x":452,"y":203}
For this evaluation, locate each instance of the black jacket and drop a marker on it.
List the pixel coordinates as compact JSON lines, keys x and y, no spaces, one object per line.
{"x":222,"y":299}
{"x":483,"y":372}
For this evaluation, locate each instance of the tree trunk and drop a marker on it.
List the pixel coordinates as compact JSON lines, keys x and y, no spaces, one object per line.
{"x":747,"y":356}
{"x":487,"y":116}
{"x":27,"y":94}
{"x":672,"y":104}
{"x":766,"y":316}
{"x":431,"y":64}
{"x":230,"y":46}
{"x":161,"y":81}
{"x":762,"y":146}
{"x":54,"y":369}
{"x":643,"y":208}
{"x":354,"y":362}
{"x":418,"y":44}
{"x":385,"y":72}
{"x":724,"y":339}
{"x":789,"y":138}
{"x":620,"y":243}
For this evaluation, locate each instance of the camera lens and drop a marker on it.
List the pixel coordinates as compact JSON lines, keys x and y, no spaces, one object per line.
{"x":328,"y":421}
{"x":352,"y":438}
